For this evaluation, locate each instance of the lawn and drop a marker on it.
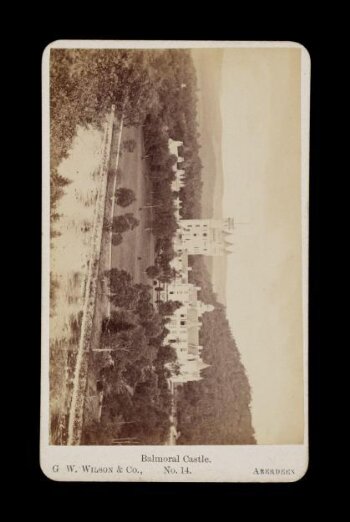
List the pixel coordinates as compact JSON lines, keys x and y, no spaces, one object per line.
{"x":136,"y":252}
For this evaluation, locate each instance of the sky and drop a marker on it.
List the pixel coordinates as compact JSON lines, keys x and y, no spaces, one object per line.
{"x":260,"y":108}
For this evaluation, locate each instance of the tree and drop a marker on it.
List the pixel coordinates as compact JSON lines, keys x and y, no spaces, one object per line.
{"x":118,"y":321}
{"x":152,"y":271}
{"x":54,"y":285}
{"x":169,"y":307}
{"x":167,"y":354}
{"x":133,"y":222}
{"x":120,"y":224}
{"x":168,"y":273}
{"x":118,"y":278}
{"x":164,"y":278}
{"x":117,"y":239}
{"x":134,"y":342}
{"x":124,"y":222}
{"x":175,"y":368}
{"x":171,"y":161}
{"x":129,"y":145}
{"x":103,"y":433}
{"x":125,"y":197}
{"x":121,"y":288}
{"x":153,"y":325}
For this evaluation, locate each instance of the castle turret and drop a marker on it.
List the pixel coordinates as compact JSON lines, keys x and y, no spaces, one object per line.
{"x":203,"y":307}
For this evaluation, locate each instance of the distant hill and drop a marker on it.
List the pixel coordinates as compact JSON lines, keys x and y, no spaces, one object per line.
{"x":208,"y":63}
{"x":208,"y":69}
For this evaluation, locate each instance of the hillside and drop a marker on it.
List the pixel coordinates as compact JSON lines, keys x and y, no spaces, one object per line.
{"x":215,"y":410}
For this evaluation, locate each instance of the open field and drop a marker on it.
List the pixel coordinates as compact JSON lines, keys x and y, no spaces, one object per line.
{"x":91,"y":288}
{"x":69,"y":273}
{"x":136,"y":252}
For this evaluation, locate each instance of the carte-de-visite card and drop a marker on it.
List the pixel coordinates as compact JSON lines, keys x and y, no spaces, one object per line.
{"x":175,"y":261}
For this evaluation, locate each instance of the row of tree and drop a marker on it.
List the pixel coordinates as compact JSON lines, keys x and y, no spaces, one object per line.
{"x":174,"y":116}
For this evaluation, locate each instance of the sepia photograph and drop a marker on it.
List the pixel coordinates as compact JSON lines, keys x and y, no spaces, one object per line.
{"x":176,"y":250}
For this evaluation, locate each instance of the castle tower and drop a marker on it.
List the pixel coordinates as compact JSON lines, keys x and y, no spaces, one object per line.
{"x":210,"y":237}
{"x":203,"y":307}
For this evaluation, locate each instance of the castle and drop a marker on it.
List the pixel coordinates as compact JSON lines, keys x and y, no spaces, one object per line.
{"x":210,"y":237}
{"x":178,"y":182}
{"x":185,"y":322}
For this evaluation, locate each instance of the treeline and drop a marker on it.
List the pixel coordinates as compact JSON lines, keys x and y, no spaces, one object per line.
{"x":215,"y":410}
{"x":174,"y":116}
{"x":133,"y":374}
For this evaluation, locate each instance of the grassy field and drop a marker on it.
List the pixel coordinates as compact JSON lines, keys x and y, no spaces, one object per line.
{"x":76,"y":209}
{"x":136,"y":252}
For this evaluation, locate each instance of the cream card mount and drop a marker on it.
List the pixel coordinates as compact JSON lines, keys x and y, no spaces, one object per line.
{"x":175,"y":261}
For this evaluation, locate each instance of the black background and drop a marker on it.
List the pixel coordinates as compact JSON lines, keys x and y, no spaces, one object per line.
{"x":286,"y":23}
